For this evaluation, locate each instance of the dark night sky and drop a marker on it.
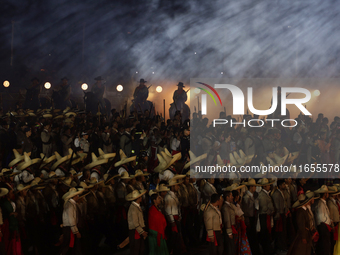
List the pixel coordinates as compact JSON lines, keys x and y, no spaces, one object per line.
{"x":174,"y":39}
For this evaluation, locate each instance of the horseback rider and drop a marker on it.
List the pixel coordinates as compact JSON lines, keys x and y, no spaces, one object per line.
{"x":141,"y":93}
{"x":64,"y":93}
{"x":32,"y":95}
{"x":98,"y":90}
{"x":180,"y":96}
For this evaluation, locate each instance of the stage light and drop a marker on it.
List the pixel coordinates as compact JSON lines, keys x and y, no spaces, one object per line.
{"x":221,"y":72}
{"x":47,"y":85}
{"x":197,"y":90}
{"x":119,"y":88}
{"x":6,"y":84}
{"x":159,"y":89}
{"x":316,"y":92}
{"x":84,"y":86}
{"x":153,"y":72}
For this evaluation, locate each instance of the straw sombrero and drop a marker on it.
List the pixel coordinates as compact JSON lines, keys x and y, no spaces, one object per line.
{"x":323,"y":189}
{"x":169,"y":158}
{"x":21,"y":187}
{"x":71,"y":193}
{"x":135,"y":194}
{"x":68,"y":114}
{"x":85,"y":186}
{"x":251,"y":182}
{"x":265,"y":182}
{"x":5,"y":172}
{"x":95,"y":162}
{"x":153,"y":192}
{"x":162,"y":188}
{"x":125,"y":176}
{"x":124,"y":159}
{"x":67,"y":182}
{"x":194,"y":159}
{"x":59,"y":161}
{"x":36,"y":181}
{"x":161,"y":164}
{"x":234,"y":186}
{"x":27,"y":162}
{"x":177,"y":179}
{"x":303,"y":199}
{"x":74,"y":173}
{"x":140,"y":173}
{"x":17,"y":158}
{"x":107,"y":178}
{"x":102,"y":155}
{"x":46,"y":160}
{"x":3,"y":192}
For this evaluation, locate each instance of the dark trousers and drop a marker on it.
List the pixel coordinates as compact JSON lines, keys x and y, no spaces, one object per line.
{"x":252,"y":236}
{"x":217,"y":250}
{"x":323,"y":246}
{"x":65,"y":246}
{"x":281,"y":233}
{"x":229,"y":244}
{"x":265,"y":237}
{"x":176,"y":241}
{"x":136,"y":245}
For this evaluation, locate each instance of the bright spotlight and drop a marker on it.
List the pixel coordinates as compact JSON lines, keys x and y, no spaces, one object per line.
{"x":316,"y":92}
{"x":119,"y":88}
{"x":6,"y":84}
{"x":159,"y":89}
{"x":47,"y":85}
{"x":84,"y":86}
{"x":197,"y":90}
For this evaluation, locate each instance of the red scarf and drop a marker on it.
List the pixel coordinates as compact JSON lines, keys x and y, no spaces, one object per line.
{"x":157,"y":222}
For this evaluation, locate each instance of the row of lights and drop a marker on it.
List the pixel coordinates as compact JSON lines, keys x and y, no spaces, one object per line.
{"x":84,"y":86}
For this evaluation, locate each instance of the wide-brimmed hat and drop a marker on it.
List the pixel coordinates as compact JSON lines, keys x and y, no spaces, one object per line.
{"x":234,"y":186}
{"x":265,"y":182}
{"x":180,"y":84}
{"x":27,"y":162}
{"x":303,"y":199}
{"x":68,"y":114}
{"x":135,"y":194}
{"x":74,"y":173}
{"x":170,"y":159}
{"x":17,"y":158}
{"x":105,"y":155}
{"x":64,"y":78}
{"x":125,"y":176}
{"x":3,"y":192}
{"x":47,"y":115}
{"x":67,"y":182}
{"x":335,"y":190}
{"x":161,"y":164}
{"x":85,"y":185}
{"x":251,"y":182}
{"x":98,"y":78}
{"x":21,"y":187}
{"x":93,"y":181}
{"x":124,"y":159}
{"x":46,"y":160}
{"x":140,"y":173}
{"x":96,"y":162}
{"x":162,"y":188}
{"x":324,"y":189}
{"x":142,"y":81}
{"x":177,"y":179}
{"x":59,"y":161}
{"x":194,"y":159}
{"x":107,"y":178}
{"x":153,"y":192}
{"x":36,"y":181}
{"x":6,"y":172}
{"x":316,"y":195}
{"x":248,"y":158}
{"x":71,"y":193}
{"x":236,"y":162}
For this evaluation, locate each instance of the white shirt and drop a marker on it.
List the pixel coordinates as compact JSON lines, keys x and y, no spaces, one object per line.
{"x":70,"y":216}
{"x":322,"y":213}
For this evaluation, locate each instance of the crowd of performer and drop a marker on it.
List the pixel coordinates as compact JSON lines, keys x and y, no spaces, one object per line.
{"x":72,"y":181}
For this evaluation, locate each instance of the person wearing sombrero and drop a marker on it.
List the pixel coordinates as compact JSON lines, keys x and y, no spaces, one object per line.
{"x":63,"y":93}
{"x":94,"y":166}
{"x":266,"y":210}
{"x":157,"y":225}
{"x":141,"y":93}
{"x":135,"y":219}
{"x":180,"y":96}
{"x":333,"y":211}
{"x":125,"y":163}
{"x":213,"y":225}
{"x":173,"y":213}
{"x":98,"y":90}
{"x":71,"y":234}
{"x":208,"y":190}
{"x":323,"y":221}
{"x":303,"y":241}
{"x":32,"y":95}
{"x":60,"y":165}
{"x":248,"y":207}
{"x":46,"y":139}
{"x":27,"y":174}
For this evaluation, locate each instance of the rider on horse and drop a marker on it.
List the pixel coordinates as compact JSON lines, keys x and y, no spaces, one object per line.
{"x":180,"y":96}
{"x":141,"y":93}
{"x":32,"y":95}
{"x":98,"y":90}
{"x":63,"y":93}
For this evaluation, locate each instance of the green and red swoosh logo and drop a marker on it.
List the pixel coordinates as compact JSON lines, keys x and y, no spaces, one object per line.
{"x":209,"y":93}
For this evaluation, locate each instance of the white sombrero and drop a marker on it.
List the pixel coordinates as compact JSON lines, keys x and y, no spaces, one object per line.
{"x":177,"y":179}
{"x":140,"y":173}
{"x":46,"y":160}
{"x":194,"y":159}
{"x":162,"y":188}
{"x":60,"y":160}
{"x":27,"y":162}
{"x":124,"y":159}
{"x":161,"y":164}
{"x":324,"y":189}
{"x":265,"y":182}
{"x":72,"y":193}
{"x":17,"y":158}
{"x":105,"y":156}
{"x":234,"y":186}
{"x":135,"y":194}
{"x":303,"y":199}
{"x":21,"y":187}
{"x":169,"y":158}
{"x":96,"y":162}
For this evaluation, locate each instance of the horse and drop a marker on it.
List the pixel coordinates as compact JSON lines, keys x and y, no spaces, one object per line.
{"x":140,"y":108}
{"x":183,"y":108}
{"x":92,"y":103}
{"x":58,"y":101}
